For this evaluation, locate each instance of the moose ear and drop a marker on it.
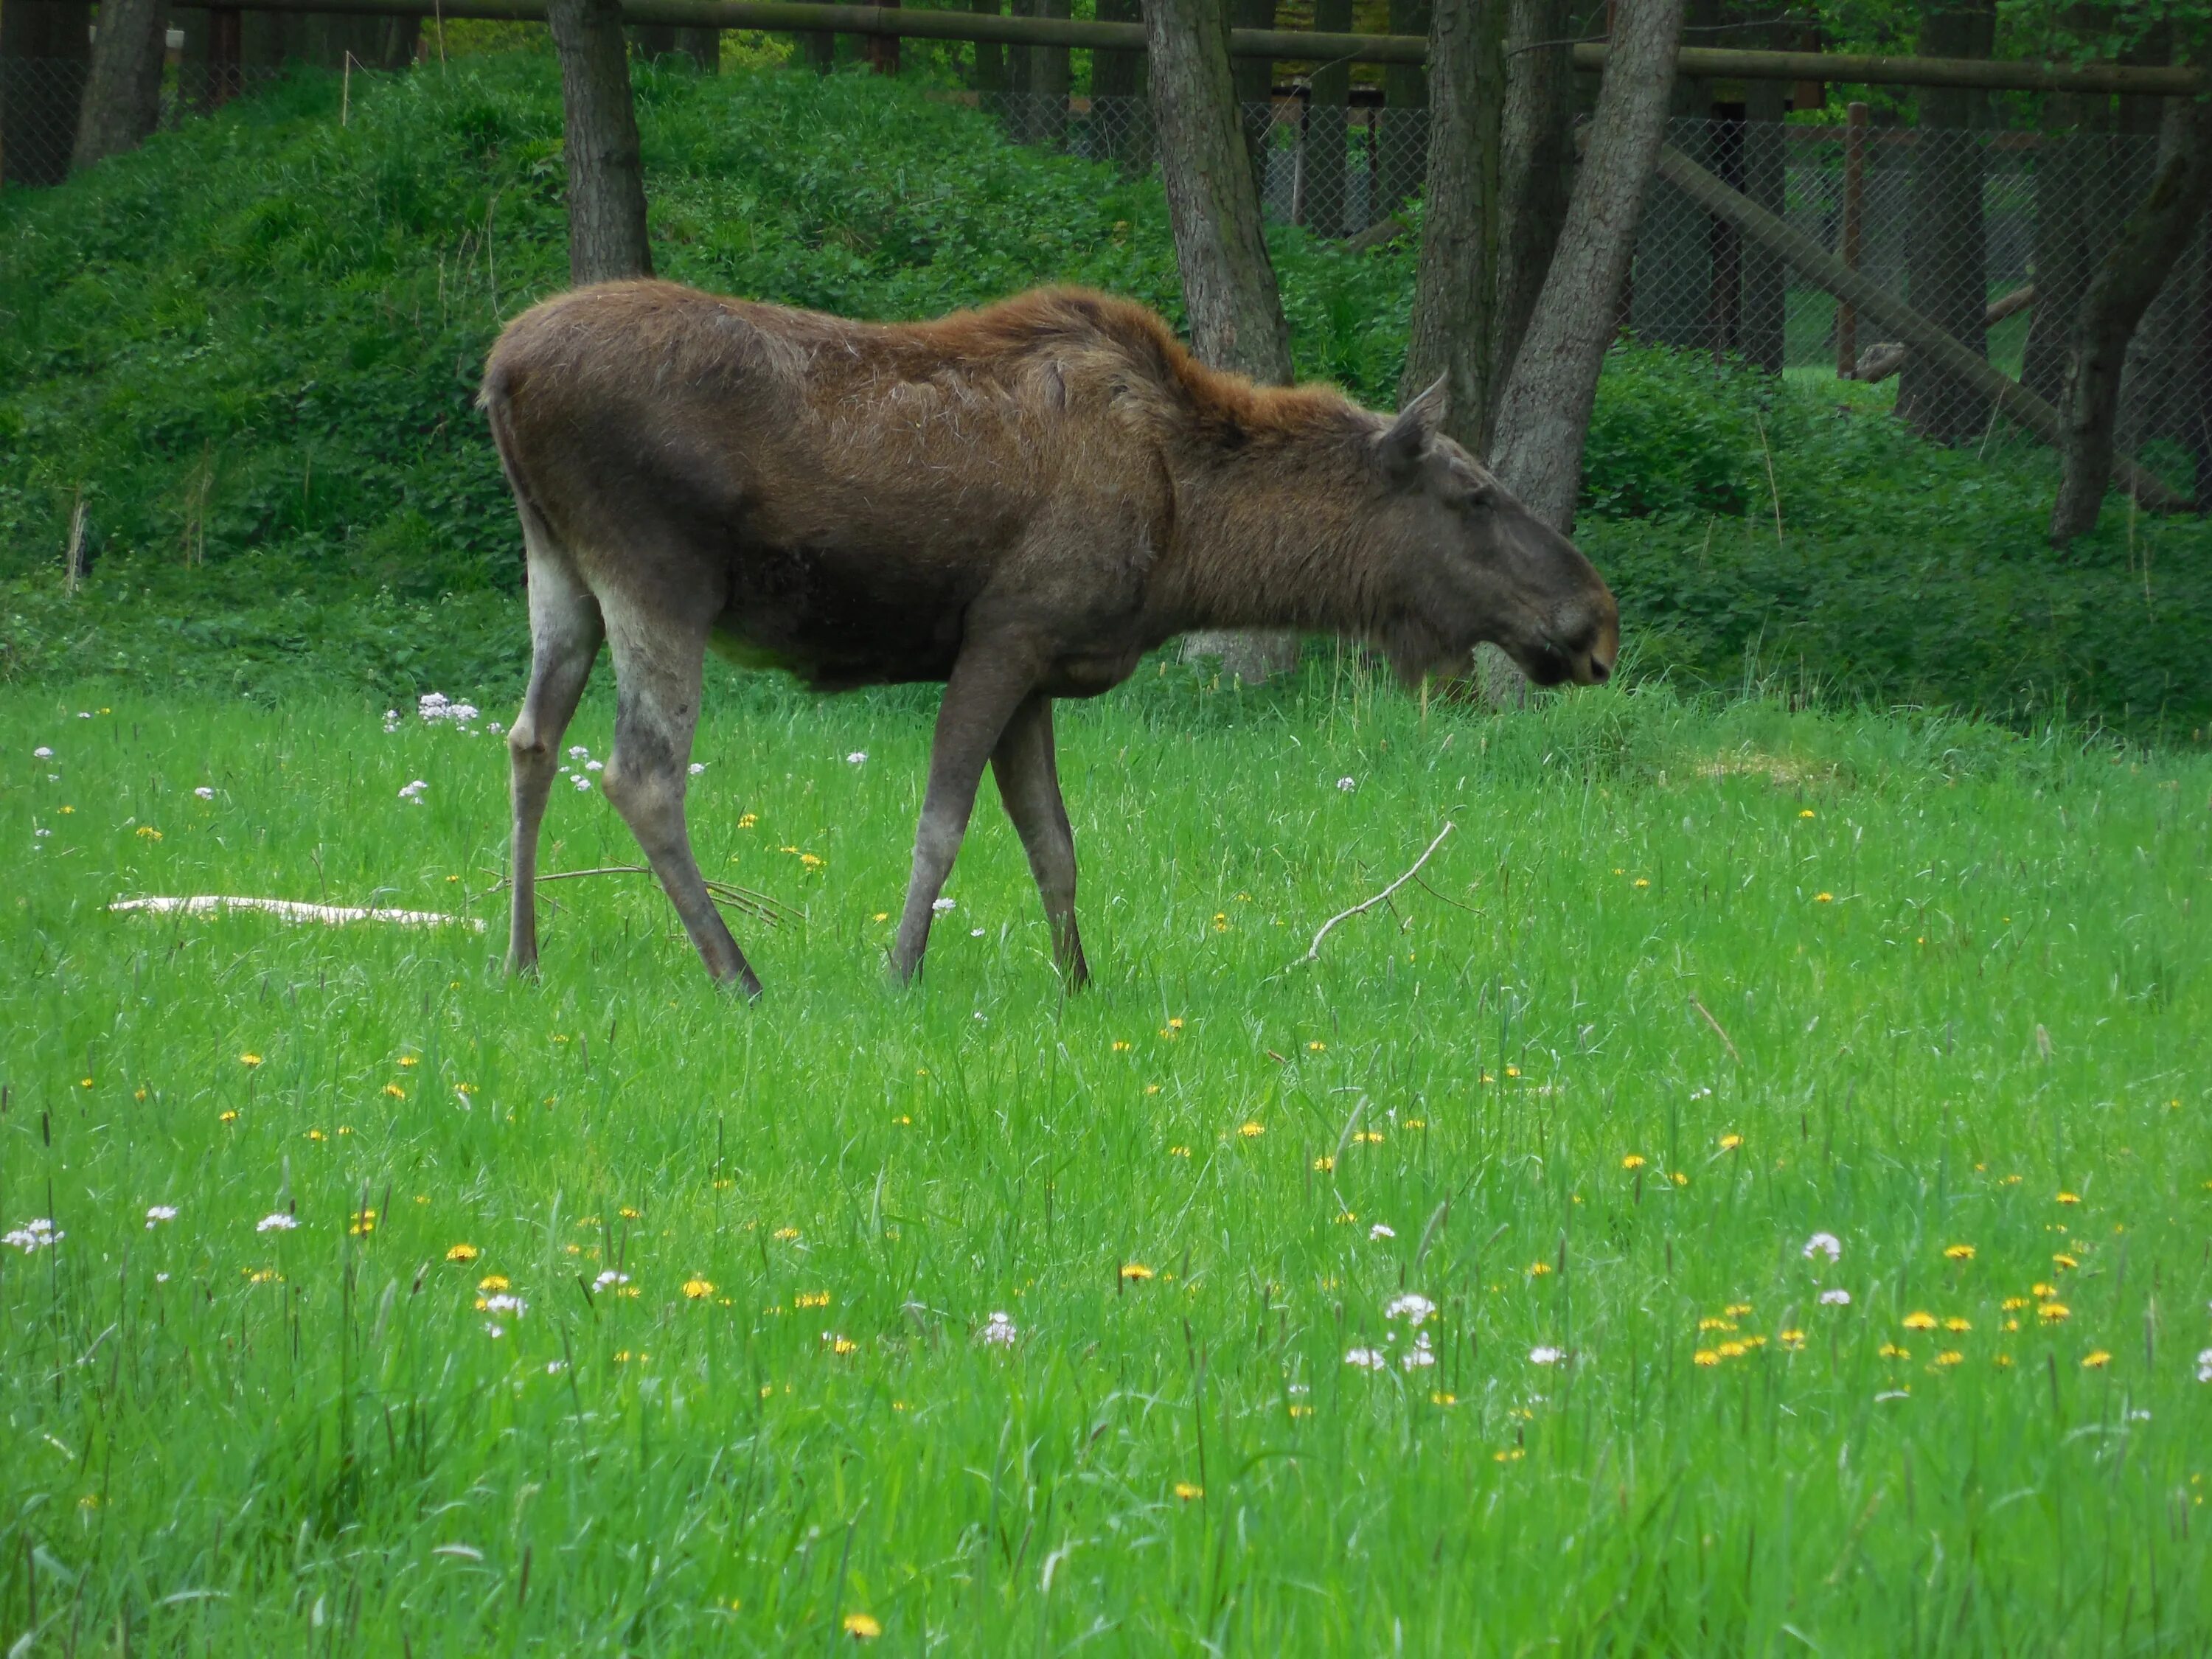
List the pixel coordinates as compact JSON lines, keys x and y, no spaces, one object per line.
{"x":1400,"y":448}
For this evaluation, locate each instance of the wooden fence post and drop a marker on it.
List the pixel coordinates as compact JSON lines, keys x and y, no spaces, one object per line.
{"x":1847,"y":316}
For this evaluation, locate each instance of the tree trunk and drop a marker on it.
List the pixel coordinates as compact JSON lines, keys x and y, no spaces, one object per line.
{"x":818,"y":48}
{"x":1763,"y":317}
{"x":123,"y":93}
{"x":2125,"y":283}
{"x":44,"y":59}
{"x":1535,"y":168}
{"x":1405,"y":131}
{"x":1947,"y":257}
{"x":989,"y":78}
{"x":1327,"y":128}
{"x":1545,"y":411}
{"x":1455,"y":287}
{"x":1050,"y":79}
{"x":606,"y":178}
{"x":2069,"y":190}
{"x":1235,"y":313}
{"x":1117,"y":91}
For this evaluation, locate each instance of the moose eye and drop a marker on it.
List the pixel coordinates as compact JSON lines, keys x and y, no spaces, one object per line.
{"x":1480,"y":498}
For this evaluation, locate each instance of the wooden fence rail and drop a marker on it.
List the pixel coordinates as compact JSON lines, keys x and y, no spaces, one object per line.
{"x":1298,"y":45}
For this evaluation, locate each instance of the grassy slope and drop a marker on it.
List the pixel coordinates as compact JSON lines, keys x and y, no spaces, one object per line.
{"x":1888,"y":920}
{"x":256,"y":342}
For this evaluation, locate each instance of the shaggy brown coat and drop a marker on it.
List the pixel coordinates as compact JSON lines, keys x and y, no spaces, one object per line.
{"x":1019,"y":502}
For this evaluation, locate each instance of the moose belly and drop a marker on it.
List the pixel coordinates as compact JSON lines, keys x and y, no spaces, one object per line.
{"x":838,"y":618}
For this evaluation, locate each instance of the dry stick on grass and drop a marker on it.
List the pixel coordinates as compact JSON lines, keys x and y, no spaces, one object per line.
{"x":1717,"y":1032}
{"x":758,"y":905}
{"x":1313,"y":950}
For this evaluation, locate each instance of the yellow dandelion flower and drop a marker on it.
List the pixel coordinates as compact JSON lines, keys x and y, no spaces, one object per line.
{"x":1716,"y":1322}
{"x":1178,"y":1152}
{"x":2069,"y":1197}
{"x":1324,"y":1163}
{"x":810,"y":1299}
{"x":363,"y":1224}
{"x":226,"y":1117}
{"x":2062,"y":1262}
{"x":861,"y":1628}
{"x":1807,"y":813}
{"x":1510,"y":1454}
{"x":2097,"y":1361}
{"x":1315,"y":1048}
{"x":249,"y":1059}
{"x":1538,"y":1269}
{"x":1175,"y":1025}
{"x":1949,"y":1357}
{"x":2051,"y":1312}
{"x":1679,"y":1179}
{"x":1414,"y":1123}
{"x":842,"y":1345}
{"x":1151,"y":1088}
{"x":1705,"y":1357}
{"x":1186,"y":1491}
{"x":1301,"y":1410}
{"x":1736,"y":1309}
{"x":491,"y":1284}
{"x":1958,"y":1252}
{"x":1121,"y":1047}
{"x":1955,"y":1323}
{"x":1641,"y":882}
{"x":1920,"y":1322}
{"x":626,"y":1213}
{"x":1792,"y":1338}
{"x":1368,"y":1137}
{"x":1891,"y":1351}
{"x":1513,"y":1071}
{"x":1729,"y":1143}
{"x":2003,"y":1362}
{"x":2014,"y":1303}
{"x":1135,"y":1270}
{"x":785,"y":1233}
{"x":1633,"y":1161}
{"x":314,"y":1135}
{"x":2043,"y":1293}
{"x":881,"y":915}
{"x":149,"y":832}
{"x":698,"y":1289}
{"x":1251,"y":1131}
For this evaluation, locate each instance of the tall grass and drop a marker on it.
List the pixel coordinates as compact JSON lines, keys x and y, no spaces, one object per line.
{"x":1687,"y":986}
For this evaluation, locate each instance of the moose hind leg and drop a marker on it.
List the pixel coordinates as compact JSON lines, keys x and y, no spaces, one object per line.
{"x":1029,"y":784}
{"x":565,"y":632}
{"x":658,"y":662}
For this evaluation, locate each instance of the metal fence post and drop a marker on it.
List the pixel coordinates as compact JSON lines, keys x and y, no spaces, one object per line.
{"x":1847,"y":316}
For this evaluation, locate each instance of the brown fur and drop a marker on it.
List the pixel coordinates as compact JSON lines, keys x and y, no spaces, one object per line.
{"x":1020,"y":500}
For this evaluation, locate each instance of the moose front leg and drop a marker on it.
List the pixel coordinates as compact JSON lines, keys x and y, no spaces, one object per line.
{"x":1028,"y":783}
{"x":987,"y":685}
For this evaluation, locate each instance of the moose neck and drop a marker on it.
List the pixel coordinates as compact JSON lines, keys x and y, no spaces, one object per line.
{"x":1273,"y":529}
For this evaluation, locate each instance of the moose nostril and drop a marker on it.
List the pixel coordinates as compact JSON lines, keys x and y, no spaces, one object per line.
{"x":1600,"y":669}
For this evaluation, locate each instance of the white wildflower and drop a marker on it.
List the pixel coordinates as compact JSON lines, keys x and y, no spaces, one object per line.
{"x":1893,"y":1394}
{"x":504,"y":1304}
{"x":976,"y":932}
{"x":495,"y":1332}
{"x":582,"y":782}
{"x":413,"y":791}
{"x":1347,"y":784}
{"x":1543,"y":1356}
{"x":278,"y":1222}
{"x":41,"y":835}
{"x":595,"y":766}
{"x":1412,"y":1307}
{"x":158,"y":1214}
{"x":2204,"y":1366}
{"x":1000,"y":1331}
{"x":1823,"y":1244}
{"x":1701,"y":1094}
{"x":858,"y":757}
{"x":205,"y":793}
{"x":697,"y":768}
{"x":42,"y":753}
{"x":1381,"y":1229}
{"x":555,"y":1367}
{"x":1420,"y":1355}
{"x":610,"y":1278}
{"x":940,"y":905}
{"x":577,"y":752}
{"x":161,"y":1279}
{"x":1372,"y":1360}
{"x":38,"y":1235}
{"x":493,"y":727}
{"x":1835,"y":1298}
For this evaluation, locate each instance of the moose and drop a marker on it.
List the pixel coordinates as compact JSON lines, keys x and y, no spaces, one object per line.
{"x":1018,"y":501}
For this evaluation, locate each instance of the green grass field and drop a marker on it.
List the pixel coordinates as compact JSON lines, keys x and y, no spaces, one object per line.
{"x":998,"y":1321}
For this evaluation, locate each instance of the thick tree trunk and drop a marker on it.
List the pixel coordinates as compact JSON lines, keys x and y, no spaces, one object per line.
{"x":1763,"y":318}
{"x":989,"y":74}
{"x":606,"y":179}
{"x":1327,"y":129}
{"x":1948,"y":257}
{"x":1535,"y":168}
{"x":123,"y":93}
{"x":2126,"y":282}
{"x":1405,"y":130}
{"x":2069,"y":190}
{"x":47,"y":54}
{"x":818,"y":48}
{"x":1455,"y":288}
{"x":1545,"y":411}
{"x":1050,"y":79}
{"x":1019,"y":62}
{"x":1235,"y":313}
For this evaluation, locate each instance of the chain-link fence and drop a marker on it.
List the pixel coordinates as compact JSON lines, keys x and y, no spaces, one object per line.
{"x":40,"y":99}
{"x":1992,"y":234}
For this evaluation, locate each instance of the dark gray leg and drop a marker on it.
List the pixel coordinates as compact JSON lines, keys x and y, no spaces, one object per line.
{"x":1028,"y":783}
{"x":565,"y":632}
{"x":656,"y":677}
{"x":988,"y":684}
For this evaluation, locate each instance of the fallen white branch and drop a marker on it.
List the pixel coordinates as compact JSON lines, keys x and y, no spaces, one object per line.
{"x":1313,"y":950}
{"x":330,"y":915}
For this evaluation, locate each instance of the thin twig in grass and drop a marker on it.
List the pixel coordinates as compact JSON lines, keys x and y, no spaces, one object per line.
{"x":1313,"y":950}
{"x":1773,"y":490}
{"x":1717,"y":1032}
{"x":758,"y":905}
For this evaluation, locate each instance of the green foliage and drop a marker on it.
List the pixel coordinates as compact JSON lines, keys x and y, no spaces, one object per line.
{"x":252,"y":350}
